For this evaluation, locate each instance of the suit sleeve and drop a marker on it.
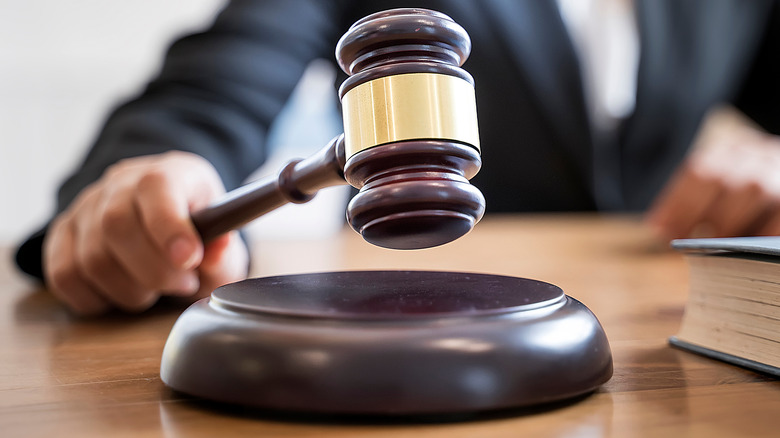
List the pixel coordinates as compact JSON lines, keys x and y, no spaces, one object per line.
{"x":216,"y":95}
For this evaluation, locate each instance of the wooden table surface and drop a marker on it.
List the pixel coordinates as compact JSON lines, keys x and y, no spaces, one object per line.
{"x":61,"y":376}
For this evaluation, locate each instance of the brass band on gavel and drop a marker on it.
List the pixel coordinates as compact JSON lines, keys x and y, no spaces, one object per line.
{"x":413,"y":106}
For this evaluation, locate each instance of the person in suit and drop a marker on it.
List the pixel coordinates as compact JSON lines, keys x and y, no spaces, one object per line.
{"x":122,"y":237}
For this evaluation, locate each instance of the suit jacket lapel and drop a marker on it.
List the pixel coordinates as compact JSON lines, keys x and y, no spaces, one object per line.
{"x":537,"y":40}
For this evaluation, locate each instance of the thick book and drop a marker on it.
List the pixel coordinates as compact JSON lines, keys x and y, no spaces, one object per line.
{"x":733,"y":308}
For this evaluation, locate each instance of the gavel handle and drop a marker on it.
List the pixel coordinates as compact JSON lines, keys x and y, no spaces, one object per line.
{"x":296,"y":182}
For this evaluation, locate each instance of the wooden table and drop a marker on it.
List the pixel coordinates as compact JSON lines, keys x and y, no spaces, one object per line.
{"x":61,"y":376}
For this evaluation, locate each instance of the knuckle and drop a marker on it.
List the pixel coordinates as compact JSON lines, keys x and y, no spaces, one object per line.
{"x":117,"y":219}
{"x":94,"y":262}
{"x":755,"y":189}
{"x":176,"y":155}
{"x":154,"y":179}
{"x":116,"y":169}
{"x":60,"y":222}
{"x":85,"y":198}
{"x":64,"y":278}
{"x":702,"y":172}
{"x":183,"y":157}
{"x":202,"y":166}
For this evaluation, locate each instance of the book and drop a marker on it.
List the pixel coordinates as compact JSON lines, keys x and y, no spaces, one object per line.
{"x":733,"y":308}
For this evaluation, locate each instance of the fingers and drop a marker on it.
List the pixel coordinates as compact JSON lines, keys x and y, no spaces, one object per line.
{"x":128,"y":239}
{"x":733,"y":190}
{"x":684,"y":203}
{"x":62,"y":275}
{"x":89,"y":258}
{"x":739,"y":210}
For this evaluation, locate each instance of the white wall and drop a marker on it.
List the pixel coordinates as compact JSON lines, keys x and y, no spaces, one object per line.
{"x":63,"y":65}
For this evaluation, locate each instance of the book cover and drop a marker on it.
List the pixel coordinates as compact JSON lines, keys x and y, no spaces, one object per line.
{"x":725,"y":357}
{"x":761,"y":245}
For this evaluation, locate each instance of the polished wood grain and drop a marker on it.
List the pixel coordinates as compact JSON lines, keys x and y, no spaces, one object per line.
{"x":65,"y":377}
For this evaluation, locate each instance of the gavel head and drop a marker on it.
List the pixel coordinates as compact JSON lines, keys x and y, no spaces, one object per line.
{"x":410,"y":129}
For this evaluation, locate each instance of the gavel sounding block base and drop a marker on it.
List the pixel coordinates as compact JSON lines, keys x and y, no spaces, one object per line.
{"x":387,"y":342}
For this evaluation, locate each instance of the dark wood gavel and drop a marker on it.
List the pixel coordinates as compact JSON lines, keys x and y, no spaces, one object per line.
{"x":410,"y":141}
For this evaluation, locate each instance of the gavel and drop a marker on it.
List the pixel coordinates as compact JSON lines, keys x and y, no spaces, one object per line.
{"x":410,"y":142}
{"x":387,"y":342}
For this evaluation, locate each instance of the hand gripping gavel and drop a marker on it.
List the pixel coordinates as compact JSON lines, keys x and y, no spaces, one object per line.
{"x":410,"y":141}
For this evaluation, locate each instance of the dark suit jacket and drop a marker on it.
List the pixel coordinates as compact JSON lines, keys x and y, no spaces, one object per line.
{"x":219,"y":90}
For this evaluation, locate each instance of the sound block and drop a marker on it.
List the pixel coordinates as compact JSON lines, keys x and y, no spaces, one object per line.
{"x":387,"y":342}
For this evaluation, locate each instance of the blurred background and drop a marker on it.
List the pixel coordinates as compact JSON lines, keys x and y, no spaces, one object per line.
{"x":65,"y":64}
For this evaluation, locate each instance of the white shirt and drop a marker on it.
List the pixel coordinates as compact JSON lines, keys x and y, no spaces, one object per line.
{"x":605,"y":36}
